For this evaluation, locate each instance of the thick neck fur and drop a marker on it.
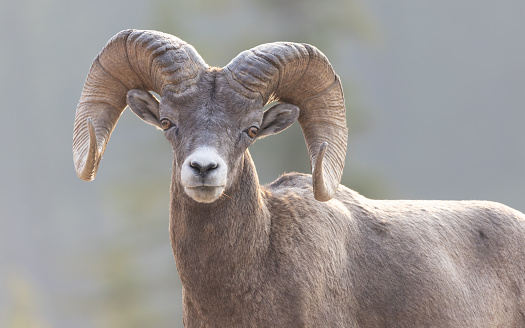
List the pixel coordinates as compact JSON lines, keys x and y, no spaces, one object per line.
{"x":220,"y":248}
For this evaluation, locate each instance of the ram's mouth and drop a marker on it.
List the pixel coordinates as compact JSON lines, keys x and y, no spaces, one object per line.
{"x":204,"y":193}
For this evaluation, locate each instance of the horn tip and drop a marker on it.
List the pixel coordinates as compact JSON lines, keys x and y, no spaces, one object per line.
{"x":322,"y":192}
{"x":88,"y":170}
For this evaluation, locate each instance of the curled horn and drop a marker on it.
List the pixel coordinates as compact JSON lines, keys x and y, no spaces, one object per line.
{"x":301,"y":75}
{"x":132,"y":59}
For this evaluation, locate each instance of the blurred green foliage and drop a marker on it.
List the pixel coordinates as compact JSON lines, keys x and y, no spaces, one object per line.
{"x":23,"y":312}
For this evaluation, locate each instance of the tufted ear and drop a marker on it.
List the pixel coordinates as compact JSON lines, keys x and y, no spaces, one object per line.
{"x":144,"y":105}
{"x":278,"y":118}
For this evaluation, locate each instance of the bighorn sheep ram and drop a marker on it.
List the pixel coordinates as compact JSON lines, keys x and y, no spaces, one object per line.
{"x":302,"y":251}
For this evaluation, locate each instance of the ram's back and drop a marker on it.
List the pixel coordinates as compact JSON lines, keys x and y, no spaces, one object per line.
{"x":406,"y":263}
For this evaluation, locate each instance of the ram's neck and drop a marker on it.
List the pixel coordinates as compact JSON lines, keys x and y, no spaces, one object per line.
{"x":221,"y":242}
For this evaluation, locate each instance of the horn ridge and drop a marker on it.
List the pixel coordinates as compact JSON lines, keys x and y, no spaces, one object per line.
{"x":301,"y":74}
{"x":131,"y":59}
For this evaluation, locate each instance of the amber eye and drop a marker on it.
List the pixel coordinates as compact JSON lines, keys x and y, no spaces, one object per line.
{"x":165,"y":123}
{"x":252,"y":131}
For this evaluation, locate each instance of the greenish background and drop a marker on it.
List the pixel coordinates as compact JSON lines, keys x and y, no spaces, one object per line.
{"x":436,"y":106}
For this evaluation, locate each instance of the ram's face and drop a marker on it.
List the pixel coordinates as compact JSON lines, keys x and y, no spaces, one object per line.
{"x":210,"y":129}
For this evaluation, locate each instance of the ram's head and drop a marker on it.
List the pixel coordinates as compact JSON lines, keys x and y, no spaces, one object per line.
{"x":211,"y":115}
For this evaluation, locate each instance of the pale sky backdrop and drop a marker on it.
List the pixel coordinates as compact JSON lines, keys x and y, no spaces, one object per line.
{"x":435,"y":94}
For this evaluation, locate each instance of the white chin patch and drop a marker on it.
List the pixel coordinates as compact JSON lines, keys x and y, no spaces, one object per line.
{"x":204,"y":194}
{"x":203,"y":175}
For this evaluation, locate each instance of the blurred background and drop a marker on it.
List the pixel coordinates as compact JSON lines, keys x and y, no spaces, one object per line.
{"x":435,"y":94}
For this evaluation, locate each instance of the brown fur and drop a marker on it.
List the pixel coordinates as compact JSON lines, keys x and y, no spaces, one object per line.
{"x":275,"y":257}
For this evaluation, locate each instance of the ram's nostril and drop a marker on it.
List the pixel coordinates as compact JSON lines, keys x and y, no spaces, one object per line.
{"x":203,"y":166}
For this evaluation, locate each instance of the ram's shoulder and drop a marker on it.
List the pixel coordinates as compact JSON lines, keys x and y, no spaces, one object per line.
{"x":292,"y":180}
{"x":300,"y":185}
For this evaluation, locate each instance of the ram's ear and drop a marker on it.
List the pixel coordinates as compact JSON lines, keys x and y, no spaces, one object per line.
{"x":144,"y":105}
{"x":277,"y":119}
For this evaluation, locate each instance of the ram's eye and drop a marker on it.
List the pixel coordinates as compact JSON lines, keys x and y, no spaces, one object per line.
{"x":165,"y":124}
{"x":252,"y":131}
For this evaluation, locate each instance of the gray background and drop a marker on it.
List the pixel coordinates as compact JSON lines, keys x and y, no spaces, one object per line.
{"x":435,"y":99}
